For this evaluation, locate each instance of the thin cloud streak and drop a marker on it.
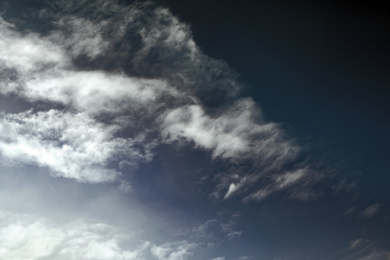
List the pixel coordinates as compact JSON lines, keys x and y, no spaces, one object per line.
{"x":370,"y":211}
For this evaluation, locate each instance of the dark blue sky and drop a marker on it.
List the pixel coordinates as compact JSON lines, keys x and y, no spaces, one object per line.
{"x":321,"y":68}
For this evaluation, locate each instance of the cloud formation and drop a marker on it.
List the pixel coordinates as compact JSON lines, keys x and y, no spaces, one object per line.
{"x":173,"y":251}
{"x":71,"y":145}
{"x":128,"y":90}
{"x":233,"y":134}
{"x":31,"y":237}
{"x":102,"y":91}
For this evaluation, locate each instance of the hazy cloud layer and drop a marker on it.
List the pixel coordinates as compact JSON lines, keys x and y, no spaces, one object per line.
{"x":30,"y":237}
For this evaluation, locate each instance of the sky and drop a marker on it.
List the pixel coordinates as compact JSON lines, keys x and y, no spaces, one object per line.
{"x":194,"y":130}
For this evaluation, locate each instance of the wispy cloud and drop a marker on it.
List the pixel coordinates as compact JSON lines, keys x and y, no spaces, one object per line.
{"x":357,"y":243}
{"x":72,"y":145}
{"x":134,"y":78}
{"x":105,"y":88}
{"x":370,"y":211}
{"x":173,"y":251}
{"x":215,"y":231}
{"x":235,"y":134}
{"x":364,"y":249}
{"x":376,"y":255}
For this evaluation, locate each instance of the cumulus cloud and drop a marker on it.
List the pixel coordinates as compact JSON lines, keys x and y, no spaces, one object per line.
{"x":26,"y":54}
{"x":30,"y":237}
{"x":173,"y":251}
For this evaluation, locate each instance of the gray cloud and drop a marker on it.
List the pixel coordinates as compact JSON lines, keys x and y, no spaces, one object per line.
{"x":370,"y":211}
{"x":376,"y":255}
{"x":173,"y":251}
{"x":30,"y":237}
{"x":215,"y":231}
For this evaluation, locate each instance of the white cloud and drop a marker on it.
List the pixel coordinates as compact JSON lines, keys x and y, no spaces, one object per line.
{"x":89,"y":117}
{"x":71,"y":145}
{"x":28,"y":53}
{"x":298,"y":179}
{"x":232,"y":188}
{"x":44,"y":73}
{"x":83,"y":65}
{"x":289,"y":178}
{"x":239,"y":134}
{"x":234,"y":134}
{"x":80,"y":36}
{"x":95,"y":92}
{"x":260,"y":194}
{"x":173,"y":251}
{"x":148,"y":41}
{"x":26,"y":237}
